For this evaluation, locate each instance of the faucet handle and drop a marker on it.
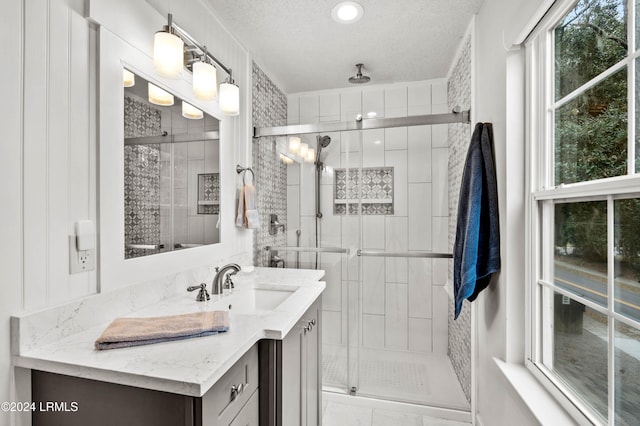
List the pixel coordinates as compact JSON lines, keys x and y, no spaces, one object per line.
{"x":228,"y":284}
{"x":203,"y":294}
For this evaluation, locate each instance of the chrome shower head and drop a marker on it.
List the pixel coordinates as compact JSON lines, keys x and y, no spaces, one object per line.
{"x":323,"y":142}
{"x":359,"y":78}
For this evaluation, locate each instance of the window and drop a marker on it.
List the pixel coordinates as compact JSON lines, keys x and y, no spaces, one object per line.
{"x":584,"y":217}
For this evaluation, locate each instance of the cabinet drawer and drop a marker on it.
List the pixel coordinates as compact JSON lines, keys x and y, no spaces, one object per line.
{"x":223,"y":402}
{"x":250,"y":414}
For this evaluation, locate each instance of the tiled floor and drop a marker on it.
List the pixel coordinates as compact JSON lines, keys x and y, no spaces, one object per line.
{"x":341,"y":414}
{"x":424,"y":379}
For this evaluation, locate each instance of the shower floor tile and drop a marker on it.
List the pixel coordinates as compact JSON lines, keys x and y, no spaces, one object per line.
{"x":404,"y":376}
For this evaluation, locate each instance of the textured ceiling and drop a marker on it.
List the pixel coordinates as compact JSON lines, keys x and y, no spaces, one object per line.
{"x":300,"y":46}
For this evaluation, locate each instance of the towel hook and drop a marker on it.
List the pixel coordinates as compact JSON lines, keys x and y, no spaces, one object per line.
{"x":240,"y":169}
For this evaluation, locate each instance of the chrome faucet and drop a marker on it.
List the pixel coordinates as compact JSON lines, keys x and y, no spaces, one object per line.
{"x":274,"y":225}
{"x":216,"y":285}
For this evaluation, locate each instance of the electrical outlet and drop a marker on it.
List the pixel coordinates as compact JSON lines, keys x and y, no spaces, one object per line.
{"x":80,"y":261}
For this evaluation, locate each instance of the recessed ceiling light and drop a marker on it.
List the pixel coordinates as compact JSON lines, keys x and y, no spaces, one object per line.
{"x":371,"y":114}
{"x":347,"y":12}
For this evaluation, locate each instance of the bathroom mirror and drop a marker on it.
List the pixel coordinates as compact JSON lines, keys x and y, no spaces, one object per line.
{"x":171,"y":171}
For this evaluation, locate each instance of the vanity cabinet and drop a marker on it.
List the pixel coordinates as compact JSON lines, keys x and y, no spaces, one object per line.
{"x":233,"y":400}
{"x":294,"y":366}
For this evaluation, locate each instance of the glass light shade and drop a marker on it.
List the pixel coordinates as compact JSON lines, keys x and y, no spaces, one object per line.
{"x":128,"y":78}
{"x":304,"y":149}
{"x":205,"y":81}
{"x":294,"y":144}
{"x":159,"y":97}
{"x":191,"y":112}
{"x":286,"y":160}
{"x":311,"y":155}
{"x":168,"y":54}
{"x":229,"y":99}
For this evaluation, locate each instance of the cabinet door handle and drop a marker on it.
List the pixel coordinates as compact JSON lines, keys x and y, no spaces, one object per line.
{"x":309,"y":326}
{"x":236,"y":390}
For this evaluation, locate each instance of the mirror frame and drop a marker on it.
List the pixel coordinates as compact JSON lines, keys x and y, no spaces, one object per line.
{"x":115,"y":271}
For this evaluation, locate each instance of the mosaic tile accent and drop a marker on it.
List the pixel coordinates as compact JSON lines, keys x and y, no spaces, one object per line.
{"x":269,"y":109}
{"x":351,"y":194}
{"x":142,"y":201}
{"x":141,"y":119}
{"x":459,"y":93}
{"x":141,"y":178}
{"x":209,"y":191}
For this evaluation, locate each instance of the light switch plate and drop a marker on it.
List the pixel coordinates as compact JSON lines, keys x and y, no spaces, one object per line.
{"x":80,"y":261}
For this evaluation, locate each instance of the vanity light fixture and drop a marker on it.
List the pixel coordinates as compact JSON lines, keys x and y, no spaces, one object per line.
{"x":294,"y":144}
{"x":168,"y":60}
{"x":168,"y":52}
{"x":304,"y":149}
{"x":347,"y":12}
{"x":205,"y":79}
{"x":311,"y":156}
{"x":128,"y":78}
{"x":158,"y":96}
{"x":286,"y":160}
{"x":191,"y":112}
{"x":229,"y":98}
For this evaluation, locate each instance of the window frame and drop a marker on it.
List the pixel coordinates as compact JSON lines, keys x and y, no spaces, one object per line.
{"x":543,"y":195}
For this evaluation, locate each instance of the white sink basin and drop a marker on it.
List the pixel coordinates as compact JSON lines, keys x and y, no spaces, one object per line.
{"x":255,"y":299}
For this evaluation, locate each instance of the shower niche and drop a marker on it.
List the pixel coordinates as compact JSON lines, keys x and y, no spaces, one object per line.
{"x":171,"y":172}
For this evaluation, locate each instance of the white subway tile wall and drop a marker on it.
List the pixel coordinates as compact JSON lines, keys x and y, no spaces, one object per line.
{"x":400,"y":298}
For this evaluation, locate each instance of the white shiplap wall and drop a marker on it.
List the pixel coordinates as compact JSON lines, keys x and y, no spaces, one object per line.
{"x":10,"y":188}
{"x":59,"y":169}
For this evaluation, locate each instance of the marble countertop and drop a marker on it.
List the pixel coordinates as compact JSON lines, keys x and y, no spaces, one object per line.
{"x":189,"y":367}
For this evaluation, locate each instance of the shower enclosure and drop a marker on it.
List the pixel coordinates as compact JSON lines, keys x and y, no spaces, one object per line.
{"x":372,"y":211}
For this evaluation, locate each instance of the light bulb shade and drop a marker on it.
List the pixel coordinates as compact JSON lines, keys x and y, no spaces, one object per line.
{"x":294,"y":144}
{"x":128,"y":78}
{"x":311,"y":155}
{"x":205,"y":81}
{"x":168,"y":54}
{"x":159,"y":97}
{"x":191,"y":112}
{"x":304,"y":149}
{"x":229,"y":99}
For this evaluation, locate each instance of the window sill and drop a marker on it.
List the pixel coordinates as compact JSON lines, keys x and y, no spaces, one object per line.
{"x":543,"y":406}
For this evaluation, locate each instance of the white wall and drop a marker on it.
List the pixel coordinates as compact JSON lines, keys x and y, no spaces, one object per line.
{"x":499,"y":98}
{"x":48,"y":166}
{"x":10,"y":187}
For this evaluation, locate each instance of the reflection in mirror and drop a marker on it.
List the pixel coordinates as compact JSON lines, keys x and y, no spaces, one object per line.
{"x":171,"y":171}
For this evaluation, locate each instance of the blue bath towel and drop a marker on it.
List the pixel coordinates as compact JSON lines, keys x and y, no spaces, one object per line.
{"x":476,"y":252}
